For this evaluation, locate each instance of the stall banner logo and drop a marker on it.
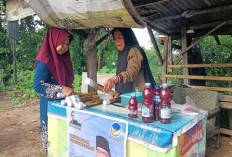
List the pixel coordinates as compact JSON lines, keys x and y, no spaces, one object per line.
{"x":192,"y":137}
{"x":116,"y":129}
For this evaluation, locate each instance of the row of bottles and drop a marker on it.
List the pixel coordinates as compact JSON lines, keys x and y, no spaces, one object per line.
{"x":155,"y":106}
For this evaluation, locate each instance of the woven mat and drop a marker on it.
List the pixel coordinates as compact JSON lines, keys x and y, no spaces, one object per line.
{"x":204,"y":99}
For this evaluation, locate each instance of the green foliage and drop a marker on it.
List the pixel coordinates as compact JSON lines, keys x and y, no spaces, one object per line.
{"x":154,"y":64}
{"x":107,"y":70}
{"x":215,"y":54}
{"x":77,"y":83}
{"x":30,"y":41}
{"x":24,"y":88}
{"x":110,"y":55}
{"x":79,"y":60}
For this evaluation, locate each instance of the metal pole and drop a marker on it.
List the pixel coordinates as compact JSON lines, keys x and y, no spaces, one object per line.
{"x":14,"y":60}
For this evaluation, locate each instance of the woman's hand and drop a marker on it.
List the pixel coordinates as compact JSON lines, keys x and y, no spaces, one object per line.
{"x":116,"y":95}
{"x":109,"y":84}
{"x":68,"y":91}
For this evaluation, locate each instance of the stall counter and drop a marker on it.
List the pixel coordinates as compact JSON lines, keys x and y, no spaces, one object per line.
{"x":184,"y":136}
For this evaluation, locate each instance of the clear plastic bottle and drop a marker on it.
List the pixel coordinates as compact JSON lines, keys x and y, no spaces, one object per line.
{"x":147,"y":104}
{"x":156,"y":101}
{"x":132,"y":106}
{"x":165,"y":104}
{"x":137,"y":90}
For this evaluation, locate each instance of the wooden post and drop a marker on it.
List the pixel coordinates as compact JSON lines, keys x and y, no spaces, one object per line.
{"x":170,"y":52}
{"x":229,"y":82}
{"x":90,"y":49}
{"x":165,"y":65}
{"x":155,"y":45}
{"x":197,"y":41}
{"x":230,"y":93}
{"x":183,"y":47}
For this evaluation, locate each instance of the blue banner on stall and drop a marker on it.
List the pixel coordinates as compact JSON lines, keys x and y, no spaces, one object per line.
{"x":91,"y":134}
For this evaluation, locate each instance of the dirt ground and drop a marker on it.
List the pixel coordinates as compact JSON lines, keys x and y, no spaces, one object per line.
{"x":20,"y":132}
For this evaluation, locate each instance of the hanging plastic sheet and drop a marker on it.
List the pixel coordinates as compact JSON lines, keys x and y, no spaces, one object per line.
{"x":73,"y":14}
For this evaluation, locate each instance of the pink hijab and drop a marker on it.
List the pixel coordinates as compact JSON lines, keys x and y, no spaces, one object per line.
{"x":60,"y":66}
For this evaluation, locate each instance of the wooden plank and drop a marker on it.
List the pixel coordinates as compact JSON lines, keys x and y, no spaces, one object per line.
{"x":212,"y":88}
{"x":147,"y":2}
{"x":200,"y":65}
{"x":196,"y":27}
{"x":226,"y":131}
{"x":177,"y":60}
{"x":226,"y":105}
{"x":155,"y":45}
{"x":218,"y":78}
{"x":226,"y":98}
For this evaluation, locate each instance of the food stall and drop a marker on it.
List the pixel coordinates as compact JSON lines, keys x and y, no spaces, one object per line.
{"x":131,"y":137}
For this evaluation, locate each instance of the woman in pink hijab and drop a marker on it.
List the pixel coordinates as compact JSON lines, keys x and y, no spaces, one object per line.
{"x":53,"y":72}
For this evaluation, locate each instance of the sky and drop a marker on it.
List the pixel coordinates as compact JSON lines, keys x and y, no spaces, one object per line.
{"x":143,"y":37}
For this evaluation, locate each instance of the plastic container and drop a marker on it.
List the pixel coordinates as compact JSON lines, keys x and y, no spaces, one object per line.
{"x":126,"y":97}
{"x":147,"y":104}
{"x":133,"y":106}
{"x":165,"y":105}
{"x":156,"y":101}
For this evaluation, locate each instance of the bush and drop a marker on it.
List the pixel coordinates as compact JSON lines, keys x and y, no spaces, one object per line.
{"x":24,"y":88}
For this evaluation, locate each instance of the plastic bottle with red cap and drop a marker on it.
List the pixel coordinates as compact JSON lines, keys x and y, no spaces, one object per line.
{"x":133,"y":106}
{"x":165,"y":104}
{"x":147,"y":104}
{"x":156,"y":101}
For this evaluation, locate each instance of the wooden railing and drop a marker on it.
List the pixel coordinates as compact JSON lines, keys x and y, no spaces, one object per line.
{"x":216,"y":78}
{"x":225,"y":102}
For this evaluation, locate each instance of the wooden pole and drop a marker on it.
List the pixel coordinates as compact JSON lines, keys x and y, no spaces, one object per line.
{"x":170,"y":52}
{"x":155,"y":45}
{"x":90,"y":49}
{"x":230,"y":93}
{"x":165,"y":59}
{"x":185,"y":55}
{"x":194,"y":43}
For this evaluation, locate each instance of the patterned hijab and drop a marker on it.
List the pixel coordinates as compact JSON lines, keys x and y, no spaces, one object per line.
{"x":131,"y":41}
{"x":60,"y":66}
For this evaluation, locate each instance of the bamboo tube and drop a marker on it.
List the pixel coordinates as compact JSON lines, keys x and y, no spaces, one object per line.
{"x":93,"y":102}
{"x":97,"y":86}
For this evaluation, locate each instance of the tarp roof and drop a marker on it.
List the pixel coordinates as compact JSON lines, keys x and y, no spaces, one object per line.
{"x":73,"y":14}
{"x":164,"y":16}
{"x":167,"y":16}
